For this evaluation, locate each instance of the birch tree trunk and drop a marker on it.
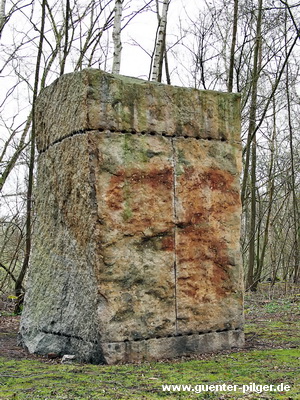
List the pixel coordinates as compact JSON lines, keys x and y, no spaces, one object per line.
{"x":2,"y":15}
{"x":117,"y":37}
{"x":160,"y":41}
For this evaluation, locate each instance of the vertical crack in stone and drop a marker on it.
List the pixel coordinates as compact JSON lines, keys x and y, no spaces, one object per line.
{"x":175,"y":230}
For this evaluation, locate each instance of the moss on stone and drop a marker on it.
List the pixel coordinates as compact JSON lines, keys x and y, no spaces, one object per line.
{"x":127,"y":213}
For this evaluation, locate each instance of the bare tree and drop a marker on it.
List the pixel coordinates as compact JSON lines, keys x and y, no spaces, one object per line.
{"x":29,"y":199}
{"x":6,"y":15}
{"x":252,"y":124}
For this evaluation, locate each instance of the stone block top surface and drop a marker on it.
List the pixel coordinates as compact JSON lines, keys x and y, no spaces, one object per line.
{"x":96,"y":100}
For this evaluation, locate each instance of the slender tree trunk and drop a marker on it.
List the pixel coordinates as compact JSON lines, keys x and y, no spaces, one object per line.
{"x":253,"y":106}
{"x":8,"y":271}
{"x":278,"y":79}
{"x":251,"y":260}
{"x":29,"y":201}
{"x":2,"y":15}
{"x":65,"y":51}
{"x":161,"y":59}
{"x":296,"y":215}
{"x":233,"y":43}
{"x":270,"y":190}
{"x":251,"y":129}
{"x":160,"y":42}
{"x":117,"y":37}
{"x":168,"y":77}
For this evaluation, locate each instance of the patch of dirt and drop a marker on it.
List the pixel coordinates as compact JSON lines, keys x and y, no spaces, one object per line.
{"x":9,"y":347}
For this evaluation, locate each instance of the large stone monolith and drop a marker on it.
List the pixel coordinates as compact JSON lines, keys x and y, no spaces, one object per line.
{"x":136,"y":252}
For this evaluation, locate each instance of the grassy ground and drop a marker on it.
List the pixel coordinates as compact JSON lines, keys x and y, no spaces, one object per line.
{"x":271,"y":357}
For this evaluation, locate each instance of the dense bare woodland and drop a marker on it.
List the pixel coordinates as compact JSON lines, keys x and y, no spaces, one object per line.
{"x":250,"y":47}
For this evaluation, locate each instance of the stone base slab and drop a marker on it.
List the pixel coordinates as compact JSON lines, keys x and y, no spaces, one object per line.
{"x":171,"y":347}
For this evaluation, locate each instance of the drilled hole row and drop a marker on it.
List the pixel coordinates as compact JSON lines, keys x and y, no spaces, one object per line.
{"x":143,"y":133}
{"x":164,"y":134}
{"x":180,"y":335}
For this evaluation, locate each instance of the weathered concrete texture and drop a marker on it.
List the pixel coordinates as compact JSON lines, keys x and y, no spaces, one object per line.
{"x":136,"y":253}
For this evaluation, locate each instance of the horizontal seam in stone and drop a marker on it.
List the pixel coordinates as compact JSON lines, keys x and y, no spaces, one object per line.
{"x":67,"y":335}
{"x":239,"y":330}
{"x":150,"y":133}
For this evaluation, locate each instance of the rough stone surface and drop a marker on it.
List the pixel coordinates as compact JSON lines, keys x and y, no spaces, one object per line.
{"x":93,"y":100}
{"x":136,"y":251}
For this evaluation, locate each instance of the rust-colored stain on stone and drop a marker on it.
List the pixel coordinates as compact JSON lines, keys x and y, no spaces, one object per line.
{"x":143,"y":197}
{"x":217,"y":179}
{"x":200,"y":244}
{"x":168,"y":243}
{"x":154,"y":178}
{"x":115,"y":195}
{"x":202,"y":263}
{"x":132,"y":180}
{"x":221,"y":280}
{"x":214,"y":179}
